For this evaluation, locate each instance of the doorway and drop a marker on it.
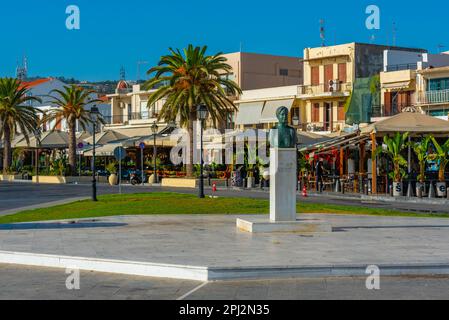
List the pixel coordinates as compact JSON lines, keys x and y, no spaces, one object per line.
{"x":327,"y":116}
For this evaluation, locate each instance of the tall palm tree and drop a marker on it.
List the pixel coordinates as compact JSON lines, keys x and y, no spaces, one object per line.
{"x":188,"y":79}
{"x":16,"y":114}
{"x":70,"y":104}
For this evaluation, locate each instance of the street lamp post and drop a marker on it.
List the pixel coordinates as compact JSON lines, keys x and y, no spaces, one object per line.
{"x":37,"y":134}
{"x":154,"y":129}
{"x":94,"y":113}
{"x":202,"y":114}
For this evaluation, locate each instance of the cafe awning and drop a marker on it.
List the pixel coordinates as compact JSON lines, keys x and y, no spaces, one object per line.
{"x":48,"y":140}
{"x":270,"y":108}
{"x":412,"y":122}
{"x":249,"y":113}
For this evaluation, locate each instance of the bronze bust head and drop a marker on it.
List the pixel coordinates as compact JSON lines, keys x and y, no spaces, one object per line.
{"x":283,"y":136}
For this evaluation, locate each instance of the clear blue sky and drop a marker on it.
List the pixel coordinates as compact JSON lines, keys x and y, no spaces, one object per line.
{"x":116,"y":33}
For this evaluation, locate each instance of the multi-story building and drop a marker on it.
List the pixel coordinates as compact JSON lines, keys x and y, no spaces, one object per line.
{"x":44,"y":89}
{"x":401,"y":80}
{"x":335,"y":93}
{"x":334,"y":74}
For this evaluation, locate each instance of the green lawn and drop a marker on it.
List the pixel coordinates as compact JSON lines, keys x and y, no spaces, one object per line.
{"x":174,"y":203}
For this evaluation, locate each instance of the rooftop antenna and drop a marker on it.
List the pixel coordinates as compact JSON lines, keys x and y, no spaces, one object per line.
{"x":322,"y":33}
{"x":440,"y":48}
{"x":22,"y":69}
{"x":122,"y":73}
{"x":139,"y":63}
{"x":394,"y":34}
{"x":241,"y":46}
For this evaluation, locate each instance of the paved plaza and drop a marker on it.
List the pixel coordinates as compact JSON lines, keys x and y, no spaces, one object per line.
{"x":19,"y":282}
{"x":214,"y":241}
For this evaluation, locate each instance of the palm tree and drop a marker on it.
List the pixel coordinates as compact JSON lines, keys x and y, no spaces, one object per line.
{"x":186,"y":80}
{"x":16,"y":114}
{"x":395,"y":146}
{"x":70,"y":104}
{"x":442,"y":156}
{"x":421,"y":148}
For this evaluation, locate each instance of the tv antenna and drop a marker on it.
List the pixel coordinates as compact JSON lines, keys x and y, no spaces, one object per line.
{"x":122,"y":73}
{"x":322,"y":33}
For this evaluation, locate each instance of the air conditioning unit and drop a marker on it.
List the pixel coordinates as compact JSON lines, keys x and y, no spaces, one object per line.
{"x":334,"y":85}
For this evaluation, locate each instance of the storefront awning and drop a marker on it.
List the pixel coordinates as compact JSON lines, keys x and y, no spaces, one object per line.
{"x":269,"y":111}
{"x":397,"y":85}
{"x":249,"y":113}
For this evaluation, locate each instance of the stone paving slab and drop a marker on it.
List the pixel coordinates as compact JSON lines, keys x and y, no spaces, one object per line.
{"x":213,"y":241}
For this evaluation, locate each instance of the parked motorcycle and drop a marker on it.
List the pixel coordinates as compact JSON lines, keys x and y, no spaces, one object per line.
{"x":135,"y":178}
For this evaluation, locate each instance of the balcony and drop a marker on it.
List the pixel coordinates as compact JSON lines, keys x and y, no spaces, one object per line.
{"x":433,"y":97}
{"x":132,"y":118}
{"x":384,"y":111}
{"x":325,"y":90}
{"x":400,"y":67}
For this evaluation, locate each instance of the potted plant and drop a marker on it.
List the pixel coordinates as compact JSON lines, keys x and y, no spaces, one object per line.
{"x":111,"y":168}
{"x":421,"y":148}
{"x":441,"y":155}
{"x":394,"y":147}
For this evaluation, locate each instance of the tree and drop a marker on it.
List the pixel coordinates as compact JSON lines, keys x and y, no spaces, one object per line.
{"x":441,"y":155}
{"x":395,"y":146}
{"x":186,"y":80}
{"x":421,"y":148}
{"x":70,"y":104}
{"x":16,"y":114}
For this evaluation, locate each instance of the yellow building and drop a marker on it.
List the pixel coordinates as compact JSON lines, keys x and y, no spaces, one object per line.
{"x":331,"y":75}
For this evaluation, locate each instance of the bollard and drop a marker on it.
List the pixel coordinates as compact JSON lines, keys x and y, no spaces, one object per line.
{"x":409,"y":190}
{"x":227,"y":183}
{"x":431,"y":191}
{"x":337,"y":186}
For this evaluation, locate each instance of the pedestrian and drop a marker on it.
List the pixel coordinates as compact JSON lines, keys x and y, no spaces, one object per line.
{"x":319,"y":172}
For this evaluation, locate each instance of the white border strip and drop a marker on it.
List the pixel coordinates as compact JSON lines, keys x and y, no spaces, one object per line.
{"x":205,"y":274}
{"x":109,"y":266}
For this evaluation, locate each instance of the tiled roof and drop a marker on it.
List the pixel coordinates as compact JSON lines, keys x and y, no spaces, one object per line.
{"x":36,"y":83}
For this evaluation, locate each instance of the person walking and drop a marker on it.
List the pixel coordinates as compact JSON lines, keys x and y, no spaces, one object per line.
{"x":319,"y":172}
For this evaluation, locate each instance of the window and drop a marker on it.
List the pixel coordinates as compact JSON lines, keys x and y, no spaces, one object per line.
{"x":315,"y":73}
{"x":283,"y":72}
{"x":439,"y":84}
{"x":316,"y":112}
{"x":341,"y":111}
{"x":342,"y":72}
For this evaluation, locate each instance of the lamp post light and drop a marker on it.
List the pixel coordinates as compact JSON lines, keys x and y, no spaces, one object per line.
{"x":154,"y":129}
{"x":94,"y":114}
{"x":37,"y":135}
{"x":202,"y":114}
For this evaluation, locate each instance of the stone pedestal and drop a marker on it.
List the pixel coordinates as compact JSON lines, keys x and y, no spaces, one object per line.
{"x":283,"y":215}
{"x":283,"y":185}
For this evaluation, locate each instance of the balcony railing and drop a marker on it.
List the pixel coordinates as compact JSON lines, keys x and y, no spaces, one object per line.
{"x":145,"y":115}
{"x":400,"y":67}
{"x":339,"y":87}
{"x":433,"y":97}
{"x":381,"y":111}
{"x":117,"y":119}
